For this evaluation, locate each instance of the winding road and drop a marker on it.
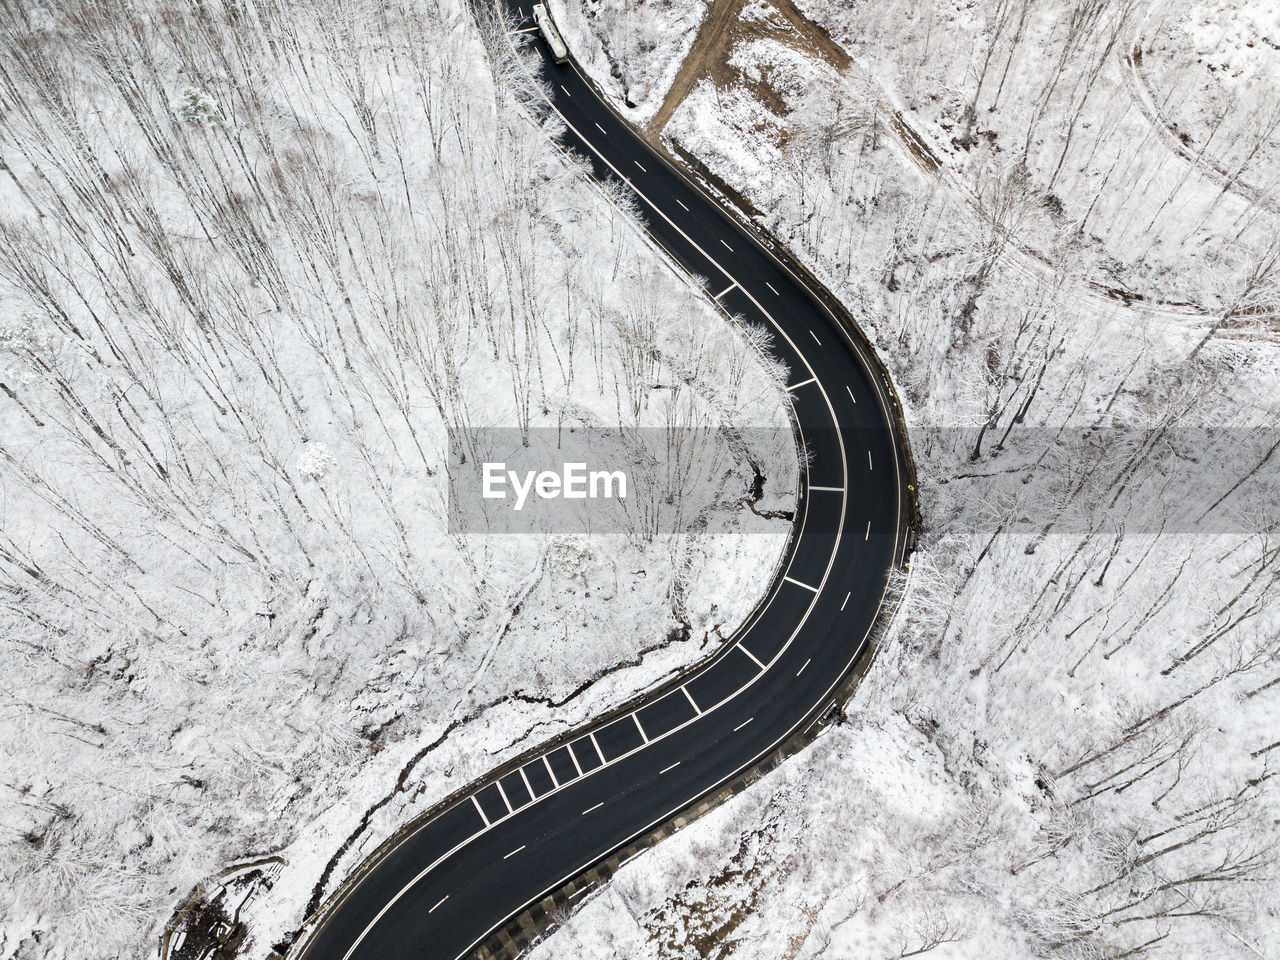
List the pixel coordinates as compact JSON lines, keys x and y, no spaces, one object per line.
{"x":444,"y":886}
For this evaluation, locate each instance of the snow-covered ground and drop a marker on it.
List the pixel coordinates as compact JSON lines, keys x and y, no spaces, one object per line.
{"x":1214,"y":70}
{"x":631,"y":51}
{"x":1041,"y":91}
{"x":257,"y":264}
{"x":1068,"y":747}
{"x":1237,"y":42}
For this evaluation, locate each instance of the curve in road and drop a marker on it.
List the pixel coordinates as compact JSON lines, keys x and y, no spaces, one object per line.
{"x":446,"y":884}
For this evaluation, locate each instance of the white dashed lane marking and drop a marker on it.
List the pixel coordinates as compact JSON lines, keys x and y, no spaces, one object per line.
{"x":770,"y":286}
{"x":438,"y":902}
{"x":849,"y":391}
{"x":806,"y":663}
{"x":846,"y":599}
{"x":637,"y":163}
{"x":698,"y":710}
{"x":596,"y":807}
{"x":743,"y":724}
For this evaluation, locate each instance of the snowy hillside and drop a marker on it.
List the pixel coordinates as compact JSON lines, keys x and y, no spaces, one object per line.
{"x":258,"y":263}
{"x":1068,"y":749}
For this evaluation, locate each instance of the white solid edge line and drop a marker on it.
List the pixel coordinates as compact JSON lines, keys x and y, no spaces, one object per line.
{"x":786,"y":337}
{"x":508,"y":856}
{"x":589,"y":809}
{"x":743,"y":724}
{"x":857,"y":651}
{"x":853,"y":657}
{"x":796,"y":631}
{"x":830,"y":563}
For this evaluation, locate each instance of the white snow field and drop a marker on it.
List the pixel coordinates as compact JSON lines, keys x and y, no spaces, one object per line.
{"x":258,"y":261}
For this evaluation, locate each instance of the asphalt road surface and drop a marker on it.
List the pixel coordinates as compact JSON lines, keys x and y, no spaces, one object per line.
{"x":448,"y":884}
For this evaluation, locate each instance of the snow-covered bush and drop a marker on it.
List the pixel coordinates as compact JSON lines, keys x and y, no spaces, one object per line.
{"x":315,"y":461}
{"x":199,"y":109}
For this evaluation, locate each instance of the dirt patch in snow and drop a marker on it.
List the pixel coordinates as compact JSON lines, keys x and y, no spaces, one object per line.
{"x":727,"y":23}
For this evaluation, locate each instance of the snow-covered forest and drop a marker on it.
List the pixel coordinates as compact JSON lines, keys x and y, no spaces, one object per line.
{"x":259,"y":262}
{"x":1059,"y":223}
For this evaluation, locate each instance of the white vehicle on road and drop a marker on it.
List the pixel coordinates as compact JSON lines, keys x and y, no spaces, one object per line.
{"x":542,"y":17}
